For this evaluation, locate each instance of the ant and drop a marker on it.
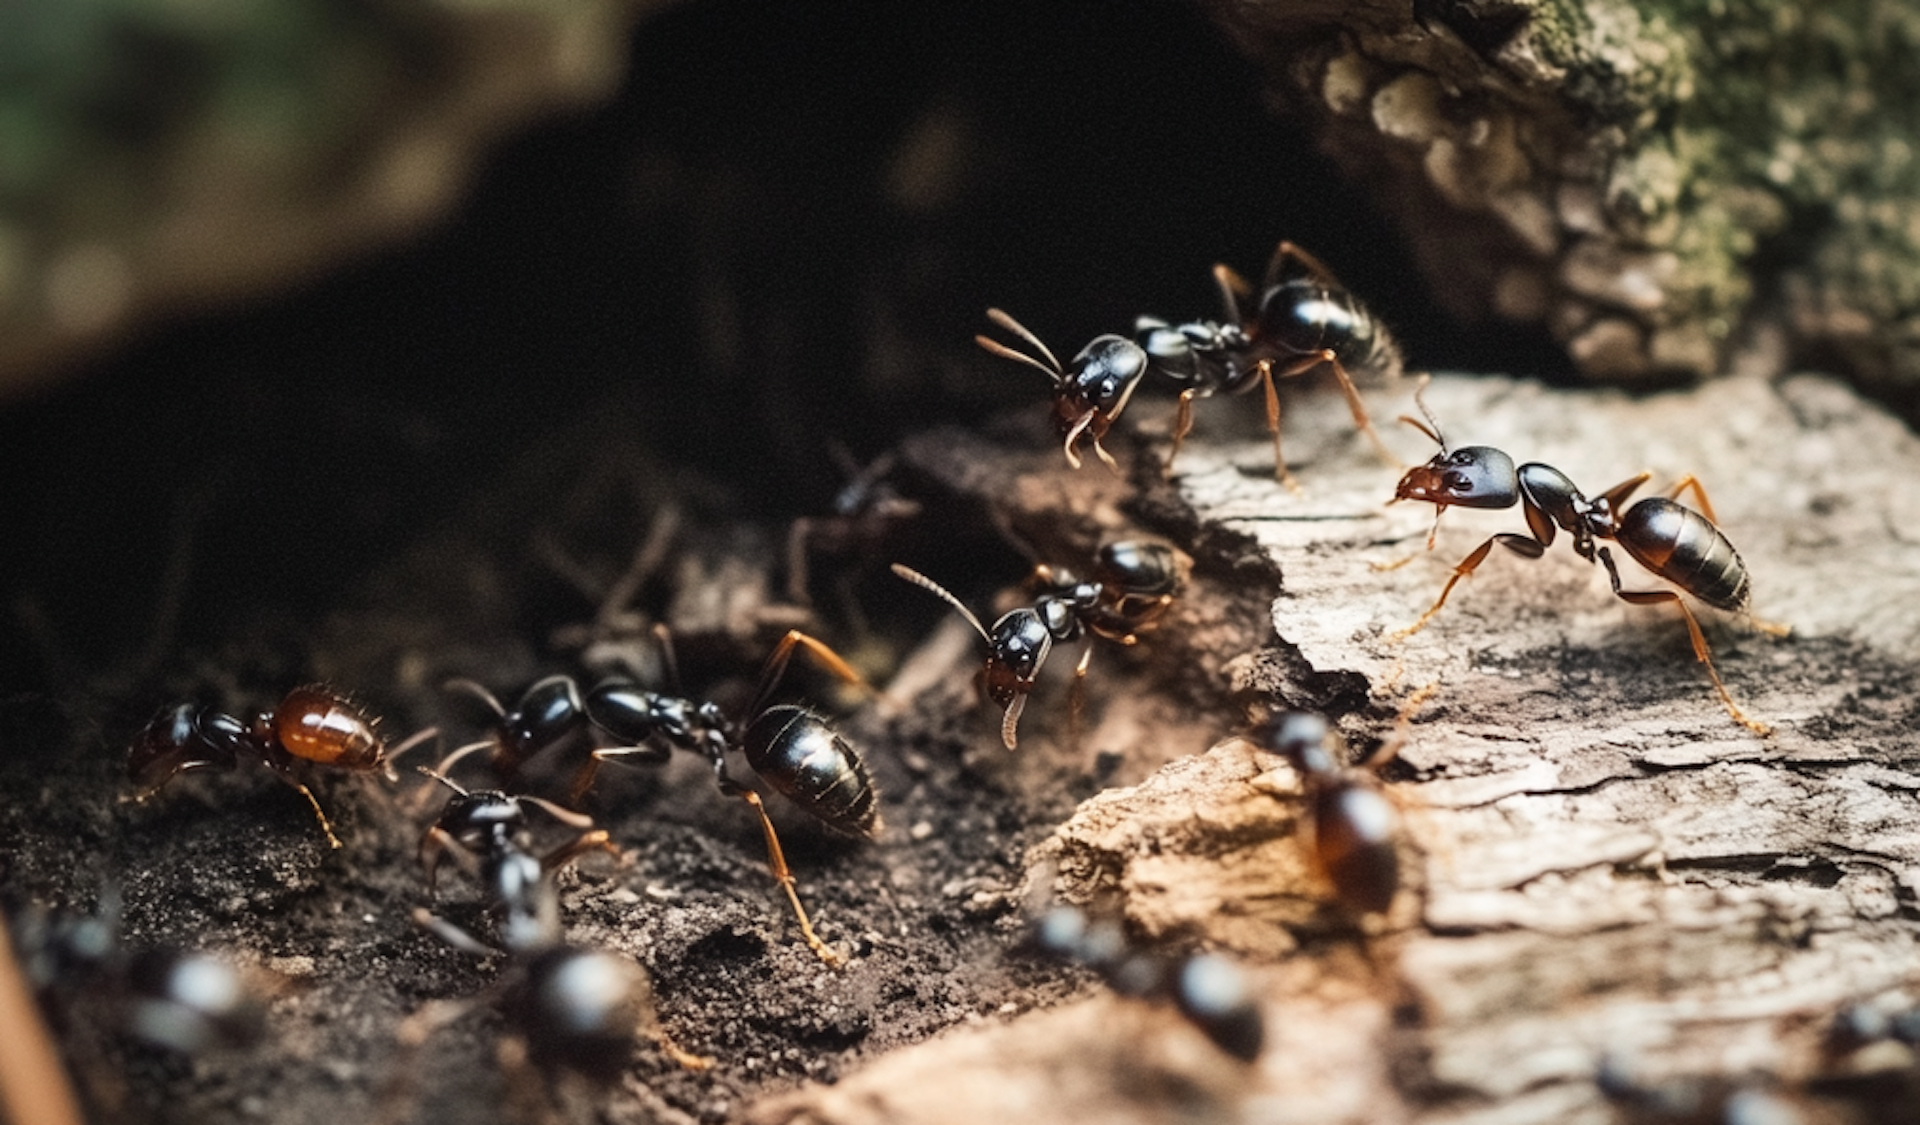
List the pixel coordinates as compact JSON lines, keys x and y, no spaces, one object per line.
{"x":177,"y":1000}
{"x":865,"y":510}
{"x":1212,"y":991}
{"x":793,"y":749}
{"x":315,"y":725}
{"x":1301,"y":318}
{"x":1675,"y":542}
{"x":1355,"y":828}
{"x":1134,"y":583}
{"x":487,"y":833}
{"x":573,"y":1007}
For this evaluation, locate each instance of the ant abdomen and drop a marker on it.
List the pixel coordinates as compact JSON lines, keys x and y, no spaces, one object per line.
{"x":317,"y":724}
{"x":1354,"y":828}
{"x":800,"y":754}
{"x":1685,"y":548}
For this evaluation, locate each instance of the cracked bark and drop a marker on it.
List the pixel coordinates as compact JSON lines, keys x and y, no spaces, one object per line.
{"x":1605,"y":865}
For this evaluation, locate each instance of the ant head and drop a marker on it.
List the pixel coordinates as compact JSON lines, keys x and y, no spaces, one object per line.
{"x":1303,"y":739}
{"x":1102,"y":377}
{"x":1478,"y":476}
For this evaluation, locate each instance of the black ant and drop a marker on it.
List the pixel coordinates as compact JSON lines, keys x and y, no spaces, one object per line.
{"x":865,"y":511}
{"x":1355,"y":828}
{"x":71,"y":974}
{"x":793,"y":749}
{"x":487,"y":833}
{"x":1673,"y":541}
{"x":1212,"y":991}
{"x":1134,"y":583}
{"x":314,"y":725}
{"x":1301,"y":318}
{"x":572,"y":1007}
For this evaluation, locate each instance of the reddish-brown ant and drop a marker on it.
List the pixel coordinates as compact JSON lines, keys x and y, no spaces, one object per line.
{"x":314,"y":725}
{"x":793,"y":749}
{"x":1134,"y":583}
{"x":1673,"y":541}
{"x":1301,"y":318}
{"x":1355,"y":828}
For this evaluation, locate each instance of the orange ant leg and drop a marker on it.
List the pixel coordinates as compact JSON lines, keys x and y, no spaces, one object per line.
{"x":777,"y":865}
{"x":1182,"y":426}
{"x":1280,"y":472}
{"x":1700,"y":652}
{"x":1361,"y":419}
{"x":1519,"y":544}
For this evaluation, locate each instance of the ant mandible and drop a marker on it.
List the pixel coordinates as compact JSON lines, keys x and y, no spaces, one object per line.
{"x":1301,"y":318}
{"x":1673,"y":541}
{"x":315,"y":724}
{"x":1134,"y":583}
{"x":1212,"y":991}
{"x":793,"y":749}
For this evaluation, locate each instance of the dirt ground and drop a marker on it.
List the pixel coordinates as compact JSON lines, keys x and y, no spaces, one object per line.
{"x":1601,"y":863}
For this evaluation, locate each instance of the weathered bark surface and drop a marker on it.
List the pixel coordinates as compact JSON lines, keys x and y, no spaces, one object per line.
{"x":1640,"y":176}
{"x":1605,"y":866}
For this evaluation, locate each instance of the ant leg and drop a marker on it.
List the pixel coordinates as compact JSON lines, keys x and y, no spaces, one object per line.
{"x":451,"y":934}
{"x":437,"y":842}
{"x":1361,"y":420}
{"x":1616,"y":497}
{"x":1432,"y":534}
{"x":1699,"y":493}
{"x":1280,"y":472}
{"x":777,"y":865}
{"x":596,"y":840}
{"x":1235,"y":293}
{"x":797,"y":537}
{"x":326,"y":826}
{"x":410,"y":1037}
{"x":1077,"y":693}
{"x":1518,"y":544}
{"x":1182,"y":426}
{"x":475,"y":689}
{"x":776,"y":665}
{"x":1289,"y":252}
{"x":1655,"y":597}
{"x":1396,"y":739}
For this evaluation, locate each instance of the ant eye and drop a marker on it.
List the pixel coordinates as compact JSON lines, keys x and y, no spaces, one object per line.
{"x":1457,"y":482}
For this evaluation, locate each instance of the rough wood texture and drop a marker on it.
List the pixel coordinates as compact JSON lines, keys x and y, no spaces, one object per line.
{"x":1606,"y":867}
{"x":1638,"y":175}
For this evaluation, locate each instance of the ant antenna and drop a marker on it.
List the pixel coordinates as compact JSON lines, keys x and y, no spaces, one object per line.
{"x":939,"y":591}
{"x":1432,"y":426}
{"x":444,"y":780}
{"x":1051,"y":369}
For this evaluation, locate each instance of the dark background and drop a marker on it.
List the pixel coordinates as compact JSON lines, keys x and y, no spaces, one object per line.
{"x":712,"y":266}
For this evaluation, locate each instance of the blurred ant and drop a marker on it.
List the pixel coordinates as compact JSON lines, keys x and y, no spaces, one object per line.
{"x":314,"y":725}
{"x":1301,"y":318}
{"x":1355,"y":828}
{"x":487,"y":833}
{"x":1700,"y":1100}
{"x":1134,"y":583}
{"x":1212,"y":991}
{"x":1673,"y":541}
{"x":865,"y":510}
{"x":793,"y":749}
{"x":87,"y":983}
